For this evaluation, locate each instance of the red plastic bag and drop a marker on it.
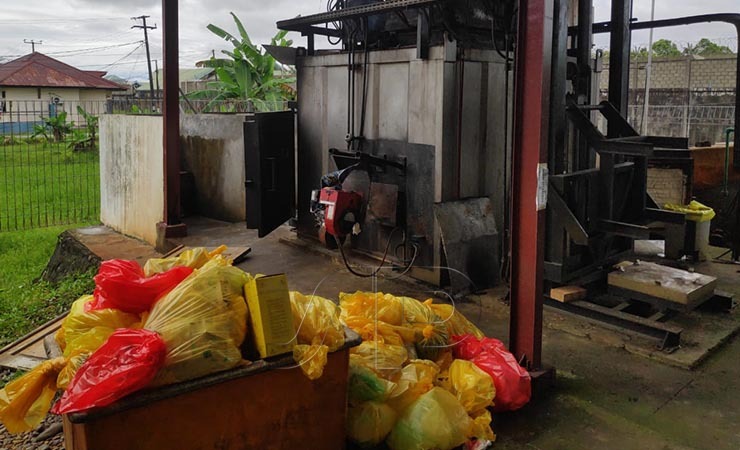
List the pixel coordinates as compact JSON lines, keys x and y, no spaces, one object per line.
{"x":122,"y":285}
{"x":127,"y":362}
{"x":512,"y":381}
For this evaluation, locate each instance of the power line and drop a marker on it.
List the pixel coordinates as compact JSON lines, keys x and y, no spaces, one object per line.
{"x":78,"y":52}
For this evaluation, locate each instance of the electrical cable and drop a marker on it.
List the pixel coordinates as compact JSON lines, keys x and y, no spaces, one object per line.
{"x":382,"y":261}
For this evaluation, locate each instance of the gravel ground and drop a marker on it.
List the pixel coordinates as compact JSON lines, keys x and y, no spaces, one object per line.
{"x":38,"y":439}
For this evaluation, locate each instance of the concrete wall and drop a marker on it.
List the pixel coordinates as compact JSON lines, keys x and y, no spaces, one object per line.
{"x":131,"y":170}
{"x":132,"y":175}
{"x":706,"y":74}
{"x":213,"y":151}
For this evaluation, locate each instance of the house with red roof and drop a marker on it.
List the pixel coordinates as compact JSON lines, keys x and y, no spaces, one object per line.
{"x":37,"y":85}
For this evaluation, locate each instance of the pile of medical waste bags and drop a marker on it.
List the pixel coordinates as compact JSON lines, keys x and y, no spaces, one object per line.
{"x":424,"y":376}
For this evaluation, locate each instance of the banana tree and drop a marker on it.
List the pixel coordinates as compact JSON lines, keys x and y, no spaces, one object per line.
{"x":247,"y":72}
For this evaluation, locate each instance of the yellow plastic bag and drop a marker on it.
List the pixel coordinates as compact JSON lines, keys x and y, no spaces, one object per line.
{"x":472,"y":386}
{"x":203,"y":322}
{"x":369,"y":423}
{"x":457,"y":324}
{"x":416,"y":379}
{"x":372,"y":305}
{"x":25,"y":402}
{"x":432,"y":335}
{"x":317,"y":321}
{"x":480,"y":427}
{"x":365,"y":384}
{"x":436,"y":420}
{"x":376,"y":330}
{"x":70,"y":369}
{"x":312,"y":359}
{"x":694,"y":211}
{"x":195,"y":258}
{"x":85,"y":331}
{"x":384,"y":359}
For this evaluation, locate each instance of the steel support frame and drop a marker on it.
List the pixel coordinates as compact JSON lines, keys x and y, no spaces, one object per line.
{"x":619,"y":58}
{"x":530,"y":150}
{"x":171,"y":226}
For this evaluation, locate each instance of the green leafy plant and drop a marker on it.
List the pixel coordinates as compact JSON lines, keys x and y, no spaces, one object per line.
{"x":91,"y":123}
{"x":56,"y":124}
{"x":248,"y":73}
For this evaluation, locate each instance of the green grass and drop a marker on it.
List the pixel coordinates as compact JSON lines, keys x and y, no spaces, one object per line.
{"x":25,"y":301}
{"x":45,"y":184}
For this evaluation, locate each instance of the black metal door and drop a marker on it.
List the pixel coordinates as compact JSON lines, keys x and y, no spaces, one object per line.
{"x":269,"y":140}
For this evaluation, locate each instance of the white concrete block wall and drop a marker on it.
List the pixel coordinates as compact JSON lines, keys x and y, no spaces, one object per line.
{"x":666,"y":185}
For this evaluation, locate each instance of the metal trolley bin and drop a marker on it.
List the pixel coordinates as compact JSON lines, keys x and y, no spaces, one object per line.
{"x":266,"y":405}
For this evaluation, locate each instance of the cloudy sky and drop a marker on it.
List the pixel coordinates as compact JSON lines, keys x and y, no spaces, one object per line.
{"x":97,"y":34}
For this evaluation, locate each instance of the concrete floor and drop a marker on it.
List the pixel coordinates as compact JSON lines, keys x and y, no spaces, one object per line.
{"x":605,"y":397}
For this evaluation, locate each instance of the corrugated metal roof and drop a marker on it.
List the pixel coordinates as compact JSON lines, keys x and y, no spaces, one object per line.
{"x":39,"y":70}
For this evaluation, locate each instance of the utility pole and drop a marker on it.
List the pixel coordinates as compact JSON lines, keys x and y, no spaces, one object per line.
{"x":146,"y":43}
{"x":156,"y":72}
{"x":33,"y":44}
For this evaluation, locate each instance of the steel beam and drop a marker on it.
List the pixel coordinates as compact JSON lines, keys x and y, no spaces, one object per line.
{"x":619,"y":58}
{"x":530,"y":151}
{"x":172,"y":226}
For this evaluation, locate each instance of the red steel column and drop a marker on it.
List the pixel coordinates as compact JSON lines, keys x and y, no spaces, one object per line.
{"x":172,"y":226}
{"x":531,"y":123}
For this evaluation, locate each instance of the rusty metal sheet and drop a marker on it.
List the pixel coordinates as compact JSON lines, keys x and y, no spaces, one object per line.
{"x":470,"y":242}
{"x":383,"y":203}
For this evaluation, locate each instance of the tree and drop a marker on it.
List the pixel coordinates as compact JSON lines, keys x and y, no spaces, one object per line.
{"x":248,"y":73}
{"x":706,"y":47}
{"x":664,"y":48}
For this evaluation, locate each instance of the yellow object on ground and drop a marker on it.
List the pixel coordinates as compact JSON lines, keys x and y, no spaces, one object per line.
{"x":365,"y":384}
{"x":481,"y":426}
{"x":203,"y":322}
{"x":416,"y":379}
{"x":25,"y":402}
{"x":694,"y":211}
{"x":312,"y":359}
{"x":436,"y":420}
{"x":369,"y":423}
{"x":382,"y":358}
{"x":271,"y":315}
{"x":316,"y":321}
{"x":457,"y":324}
{"x":372,"y":305}
{"x":472,"y":386}
{"x":195,"y":258}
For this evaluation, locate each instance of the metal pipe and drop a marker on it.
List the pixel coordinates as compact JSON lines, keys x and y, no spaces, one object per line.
{"x":648,"y":75}
{"x":172,"y":226}
{"x":726,"y":179}
{"x":530,"y":152}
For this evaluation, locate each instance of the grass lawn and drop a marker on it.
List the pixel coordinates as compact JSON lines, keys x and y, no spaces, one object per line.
{"x":45,"y":184}
{"x":25,"y":301}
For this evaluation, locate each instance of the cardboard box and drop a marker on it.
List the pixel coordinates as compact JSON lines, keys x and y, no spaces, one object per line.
{"x":270,"y":315}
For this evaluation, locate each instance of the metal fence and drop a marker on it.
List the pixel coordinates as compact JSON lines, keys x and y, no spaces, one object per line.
{"x":700,"y":123}
{"x":49,"y":163}
{"x":49,"y":155}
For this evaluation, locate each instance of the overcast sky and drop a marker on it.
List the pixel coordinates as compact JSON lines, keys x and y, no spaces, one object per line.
{"x":97,"y":34}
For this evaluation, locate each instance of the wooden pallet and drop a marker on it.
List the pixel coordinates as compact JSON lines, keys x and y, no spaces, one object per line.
{"x":29,"y":351}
